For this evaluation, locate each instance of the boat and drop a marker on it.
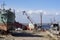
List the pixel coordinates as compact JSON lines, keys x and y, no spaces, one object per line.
{"x":7,"y":18}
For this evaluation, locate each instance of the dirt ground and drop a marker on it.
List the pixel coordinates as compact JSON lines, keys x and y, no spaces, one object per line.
{"x":26,"y":36}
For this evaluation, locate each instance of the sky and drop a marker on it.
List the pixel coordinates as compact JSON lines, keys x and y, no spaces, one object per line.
{"x":49,"y":8}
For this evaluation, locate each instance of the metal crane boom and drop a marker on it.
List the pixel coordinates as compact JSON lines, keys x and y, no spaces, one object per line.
{"x":24,"y":12}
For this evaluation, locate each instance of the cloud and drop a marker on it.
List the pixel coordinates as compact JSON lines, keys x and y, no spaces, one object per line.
{"x":57,"y":13}
{"x":36,"y":12}
{"x":30,"y":11}
{"x":45,"y":12}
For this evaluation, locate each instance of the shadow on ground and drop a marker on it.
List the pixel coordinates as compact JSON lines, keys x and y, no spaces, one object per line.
{"x":25,"y":35}
{"x":2,"y":38}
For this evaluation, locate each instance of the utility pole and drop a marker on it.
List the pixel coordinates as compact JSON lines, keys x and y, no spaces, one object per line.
{"x":54,"y":19}
{"x":41,"y":19}
{"x":51,"y":21}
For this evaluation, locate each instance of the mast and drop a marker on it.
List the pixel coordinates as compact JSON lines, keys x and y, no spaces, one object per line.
{"x":3,"y":5}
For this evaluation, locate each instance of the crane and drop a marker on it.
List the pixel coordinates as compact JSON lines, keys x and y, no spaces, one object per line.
{"x":34,"y":26}
{"x":28,"y":17}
